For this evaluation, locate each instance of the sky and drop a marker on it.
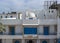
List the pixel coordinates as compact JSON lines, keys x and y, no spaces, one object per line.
{"x":17,"y":5}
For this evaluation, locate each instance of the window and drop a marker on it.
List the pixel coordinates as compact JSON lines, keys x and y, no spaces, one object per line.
{"x":1,"y":16}
{"x":44,"y":41}
{"x":49,"y":11}
{"x":58,"y":41}
{"x":11,"y":16}
{"x":46,"y":30}
{"x":1,"y":33}
{"x":5,"y":16}
{"x":12,"y":30}
{"x":30,"y":41}
{"x":17,"y":41}
{"x":52,"y":11}
{"x":0,"y":40}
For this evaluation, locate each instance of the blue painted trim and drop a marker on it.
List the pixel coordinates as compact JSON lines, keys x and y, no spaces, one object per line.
{"x":30,"y":30}
{"x":46,"y":30}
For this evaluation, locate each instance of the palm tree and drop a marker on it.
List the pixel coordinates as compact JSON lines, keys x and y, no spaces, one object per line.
{"x":2,"y":28}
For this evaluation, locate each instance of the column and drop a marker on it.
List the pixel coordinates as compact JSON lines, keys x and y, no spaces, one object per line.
{"x":23,"y":41}
{"x":9,"y":41}
{"x":38,"y":40}
{"x":3,"y":40}
{"x":51,"y":41}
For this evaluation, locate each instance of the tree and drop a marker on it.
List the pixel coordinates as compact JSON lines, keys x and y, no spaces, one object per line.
{"x":2,"y":28}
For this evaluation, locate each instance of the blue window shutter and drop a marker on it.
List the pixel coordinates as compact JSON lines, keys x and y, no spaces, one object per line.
{"x":30,"y":30}
{"x":46,"y":30}
{"x":12,"y":30}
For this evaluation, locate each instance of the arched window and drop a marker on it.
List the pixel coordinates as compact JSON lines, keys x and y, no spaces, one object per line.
{"x":30,"y":41}
{"x":44,"y":41}
{"x":11,"y":16}
{"x":1,"y":16}
{"x":17,"y":41}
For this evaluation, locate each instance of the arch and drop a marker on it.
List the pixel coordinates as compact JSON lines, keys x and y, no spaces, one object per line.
{"x":44,"y":41}
{"x":17,"y":41}
{"x":30,"y":41}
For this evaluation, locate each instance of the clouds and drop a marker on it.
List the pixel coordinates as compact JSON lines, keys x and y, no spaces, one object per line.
{"x":17,"y":5}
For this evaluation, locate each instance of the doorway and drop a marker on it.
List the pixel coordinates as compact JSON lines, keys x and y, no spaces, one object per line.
{"x":44,"y":41}
{"x":0,"y":40}
{"x":30,"y":41}
{"x":17,"y":41}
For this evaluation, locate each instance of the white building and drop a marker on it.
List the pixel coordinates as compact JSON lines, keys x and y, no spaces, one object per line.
{"x":31,"y":27}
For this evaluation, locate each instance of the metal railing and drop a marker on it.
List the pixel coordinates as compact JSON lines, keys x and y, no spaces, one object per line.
{"x":11,"y":34}
{"x":48,"y":34}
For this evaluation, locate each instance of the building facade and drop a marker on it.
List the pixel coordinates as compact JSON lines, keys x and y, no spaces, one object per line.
{"x":31,"y":27}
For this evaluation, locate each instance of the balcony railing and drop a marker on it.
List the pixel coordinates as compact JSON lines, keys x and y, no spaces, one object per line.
{"x":11,"y":34}
{"x":48,"y":34}
{"x":26,"y":34}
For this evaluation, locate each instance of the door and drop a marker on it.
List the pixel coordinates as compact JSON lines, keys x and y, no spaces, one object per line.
{"x":30,"y":41}
{"x":44,"y":41}
{"x":46,"y":30}
{"x":12,"y":30}
{"x":17,"y":41}
{"x":0,"y":40}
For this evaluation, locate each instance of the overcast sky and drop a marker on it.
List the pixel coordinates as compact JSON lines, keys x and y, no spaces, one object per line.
{"x":17,"y":5}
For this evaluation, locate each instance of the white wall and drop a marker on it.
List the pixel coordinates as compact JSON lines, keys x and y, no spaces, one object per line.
{"x":40,"y":30}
